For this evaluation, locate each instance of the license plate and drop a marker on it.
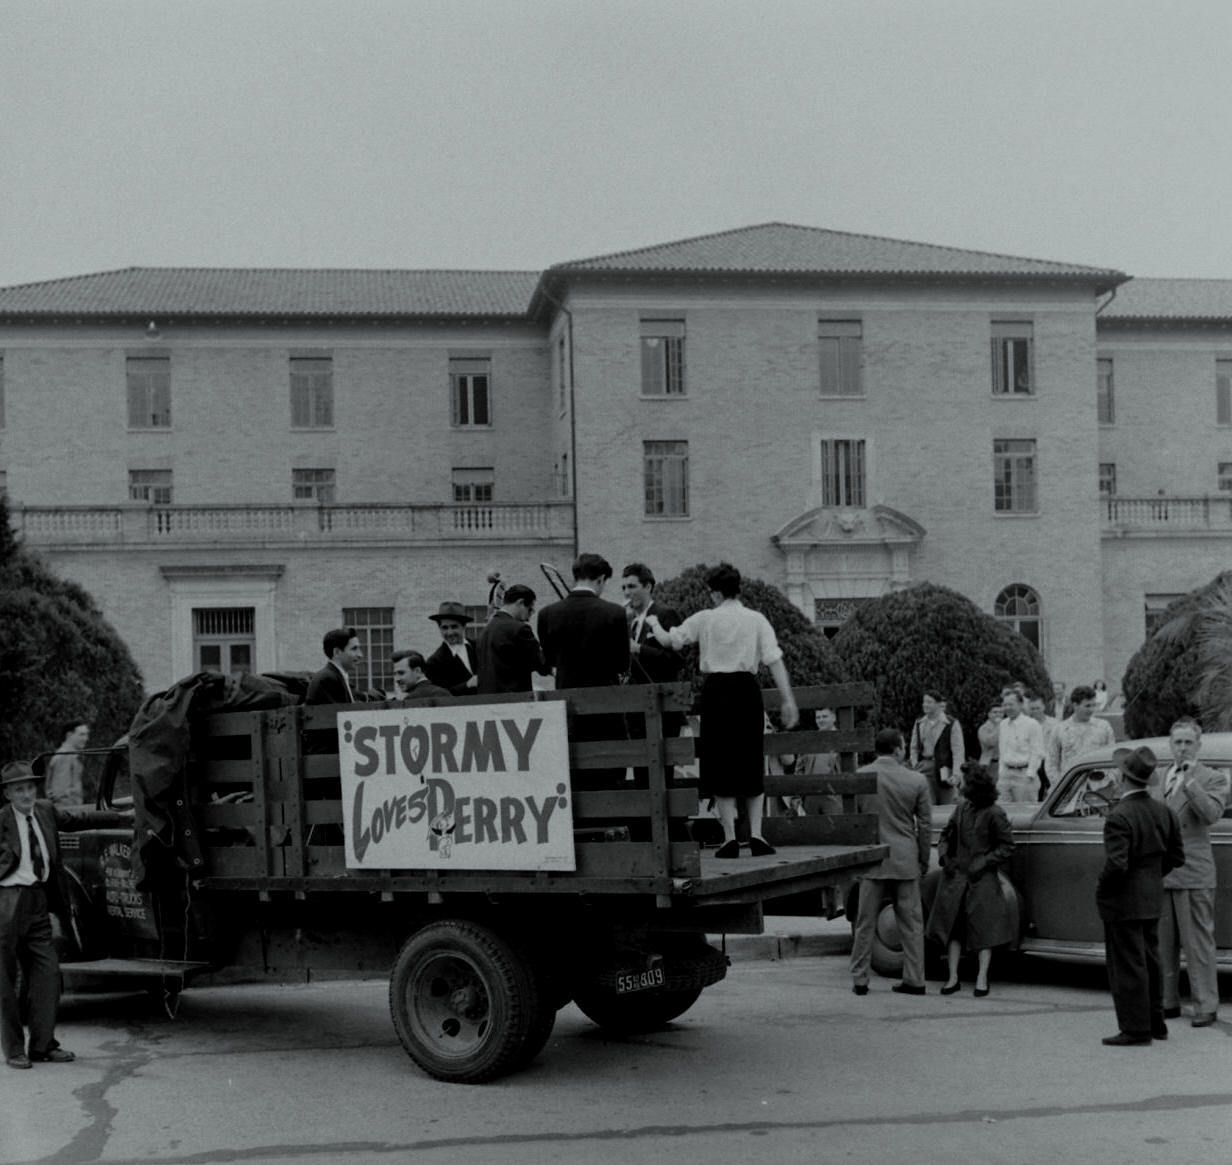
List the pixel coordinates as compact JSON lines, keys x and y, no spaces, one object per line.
{"x":639,"y":981}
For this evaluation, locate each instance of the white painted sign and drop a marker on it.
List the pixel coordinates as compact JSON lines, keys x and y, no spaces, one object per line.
{"x":475,"y":787}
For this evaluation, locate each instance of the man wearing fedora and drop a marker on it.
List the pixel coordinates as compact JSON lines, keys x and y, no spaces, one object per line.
{"x":29,"y":890}
{"x":454,"y":665}
{"x":1142,"y":842}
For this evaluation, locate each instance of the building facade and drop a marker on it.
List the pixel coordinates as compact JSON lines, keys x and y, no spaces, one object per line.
{"x":234,"y":461}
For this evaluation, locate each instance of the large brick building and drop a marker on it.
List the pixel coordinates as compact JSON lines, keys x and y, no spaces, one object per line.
{"x":232,"y":461}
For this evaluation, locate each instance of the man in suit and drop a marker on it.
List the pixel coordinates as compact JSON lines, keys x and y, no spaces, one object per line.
{"x":586,"y":639}
{"x":904,"y":824}
{"x":332,"y":684}
{"x":1142,"y":842}
{"x":30,"y":870}
{"x":454,"y":665}
{"x":508,"y":651}
{"x":409,"y":677}
{"x":1197,"y":795}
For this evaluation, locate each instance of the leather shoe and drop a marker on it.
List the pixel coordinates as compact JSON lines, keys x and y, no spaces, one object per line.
{"x":21,"y":1060}
{"x":980,"y":992}
{"x":1160,"y":1033}
{"x":909,"y":989}
{"x":1203,"y":1020}
{"x":729,"y":849}
{"x":55,"y":1056}
{"x":1126,"y":1040}
{"x":859,"y":989}
{"x":1172,"y":1013}
{"x":759,"y":847}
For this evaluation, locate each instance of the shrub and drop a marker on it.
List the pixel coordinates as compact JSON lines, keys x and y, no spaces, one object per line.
{"x":1185,"y":667}
{"x":928,"y":636}
{"x":59,"y":658}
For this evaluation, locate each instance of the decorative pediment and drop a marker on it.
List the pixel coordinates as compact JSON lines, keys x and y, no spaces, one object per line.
{"x":830,"y":526}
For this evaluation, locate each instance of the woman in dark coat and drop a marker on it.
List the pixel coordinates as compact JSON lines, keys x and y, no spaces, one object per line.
{"x":970,"y":912}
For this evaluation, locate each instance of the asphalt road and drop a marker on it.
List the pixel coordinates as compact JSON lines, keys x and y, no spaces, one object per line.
{"x":779,"y":1063}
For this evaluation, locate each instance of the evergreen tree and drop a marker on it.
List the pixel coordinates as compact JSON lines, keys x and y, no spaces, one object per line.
{"x":807,"y":653}
{"x":928,"y":636}
{"x":59,"y":658}
{"x":1185,"y":667}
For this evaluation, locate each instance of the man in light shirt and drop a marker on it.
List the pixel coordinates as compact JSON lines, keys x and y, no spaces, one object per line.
{"x":1037,"y":710}
{"x":1021,"y":749}
{"x":1080,"y":733}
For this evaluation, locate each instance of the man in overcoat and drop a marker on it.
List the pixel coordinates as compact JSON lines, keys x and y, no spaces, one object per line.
{"x":904,"y":824}
{"x":1142,"y":842}
{"x":30,"y":873}
{"x":1197,"y":795}
{"x":508,"y":652}
{"x":455,"y":664}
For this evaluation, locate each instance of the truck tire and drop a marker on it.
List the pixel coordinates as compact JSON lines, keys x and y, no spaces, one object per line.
{"x":465,"y":1003}
{"x":632,"y":1014}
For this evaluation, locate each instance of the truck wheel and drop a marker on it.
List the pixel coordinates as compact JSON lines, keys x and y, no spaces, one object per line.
{"x":464,"y":1003}
{"x":638,"y":1012}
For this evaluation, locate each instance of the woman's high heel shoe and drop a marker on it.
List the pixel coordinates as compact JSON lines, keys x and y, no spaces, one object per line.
{"x":980,"y":992}
{"x":951,"y":988}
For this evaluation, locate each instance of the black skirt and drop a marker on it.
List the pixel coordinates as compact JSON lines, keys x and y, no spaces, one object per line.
{"x":730,"y":759}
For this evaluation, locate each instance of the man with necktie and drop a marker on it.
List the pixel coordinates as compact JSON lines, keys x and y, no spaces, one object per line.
{"x":29,"y":891}
{"x":1197,"y":795}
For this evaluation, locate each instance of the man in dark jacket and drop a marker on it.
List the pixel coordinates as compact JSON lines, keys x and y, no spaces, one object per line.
{"x":1142,"y":842}
{"x":332,"y":684}
{"x":508,"y":650}
{"x":410,"y":680}
{"x":455,"y":664}
{"x":30,"y":870}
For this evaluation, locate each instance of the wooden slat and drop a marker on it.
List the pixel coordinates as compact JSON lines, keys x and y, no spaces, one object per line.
{"x":633,"y":859}
{"x":601,"y":804}
{"x":804,"y":743}
{"x":822,"y":829}
{"x":840,"y":784}
{"x":215,"y":771}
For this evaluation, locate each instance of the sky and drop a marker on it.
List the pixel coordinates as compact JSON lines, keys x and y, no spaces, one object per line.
{"x":503,"y":134}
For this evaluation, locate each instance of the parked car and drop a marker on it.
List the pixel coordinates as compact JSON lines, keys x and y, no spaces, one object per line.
{"x":1059,"y":854}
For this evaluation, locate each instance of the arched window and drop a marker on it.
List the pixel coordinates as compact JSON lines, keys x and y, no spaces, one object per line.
{"x":1019,"y":606}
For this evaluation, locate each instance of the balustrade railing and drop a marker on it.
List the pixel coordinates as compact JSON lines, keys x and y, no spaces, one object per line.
{"x":92,"y":525}
{"x":1165,"y":512}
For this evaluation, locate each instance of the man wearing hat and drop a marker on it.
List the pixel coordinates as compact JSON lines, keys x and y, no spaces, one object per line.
{"x":454,"y":665}
{"x":29,"y":891}
{"x":1142,"y":842}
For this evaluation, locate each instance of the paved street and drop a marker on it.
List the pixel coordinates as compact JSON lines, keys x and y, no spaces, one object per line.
{"x":780,"y":1062}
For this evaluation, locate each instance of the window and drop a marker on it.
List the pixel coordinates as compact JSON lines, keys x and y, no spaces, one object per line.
{"x":1105,"y":404}
{"x":1014,"y":477}
{"x":1225,"y":476}
{"x":149,"y":392}
{"x":1019,"y":606}
{"x":473,"y":485}
{"x":1107,"y":478}
{"x":375,"y":628}
{"x":223,"y":639}
{"x":665,"y":475}
{"x":312,"y":392}
{"x":842,"y":473}
{"x":662,"y":357}
{"x":470,"y":383}
{"x":1013,"y":370}
{"x":479,"y":613}
{"x":150,"y":485}
{"x":1223,"y":392}
{"x":312,"y":485}
{"x":841,"y":347}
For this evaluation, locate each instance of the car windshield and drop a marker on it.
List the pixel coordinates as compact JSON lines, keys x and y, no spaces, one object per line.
{"x":1090,"y":792}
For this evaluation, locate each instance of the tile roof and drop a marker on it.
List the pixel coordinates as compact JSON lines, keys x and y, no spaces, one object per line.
{"x":265,"y":292}
{"x":1175,"y":299}
{"x":782,"y":248}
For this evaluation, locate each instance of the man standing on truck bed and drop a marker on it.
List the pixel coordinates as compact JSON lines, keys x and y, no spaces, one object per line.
{"x":332,"y":684}
{"x":455,"y":664}
{"x":508,"y":651}
{"x":29,"y":890}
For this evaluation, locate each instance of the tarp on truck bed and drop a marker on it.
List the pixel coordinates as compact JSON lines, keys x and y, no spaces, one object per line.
{"x":165,"y":838}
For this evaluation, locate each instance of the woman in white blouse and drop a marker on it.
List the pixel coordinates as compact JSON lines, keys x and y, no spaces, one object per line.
{"x":732,"y":643}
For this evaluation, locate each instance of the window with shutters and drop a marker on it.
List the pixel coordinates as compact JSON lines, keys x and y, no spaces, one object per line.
{"x":662,"y":357}
{"x":843,"y":473}
{"x":665,"y":478}
{"x":470,"y":387}
{"x":840,"y":346}
{"x":1013,"y":359}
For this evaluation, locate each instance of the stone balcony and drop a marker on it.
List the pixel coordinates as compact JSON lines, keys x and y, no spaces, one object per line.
{"x":300,"y":524}
{"x":1165,"y":514}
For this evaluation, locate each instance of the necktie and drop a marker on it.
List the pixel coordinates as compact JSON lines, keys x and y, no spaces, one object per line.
{"x":37,"y":860}
{"x":1174,"y":781}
